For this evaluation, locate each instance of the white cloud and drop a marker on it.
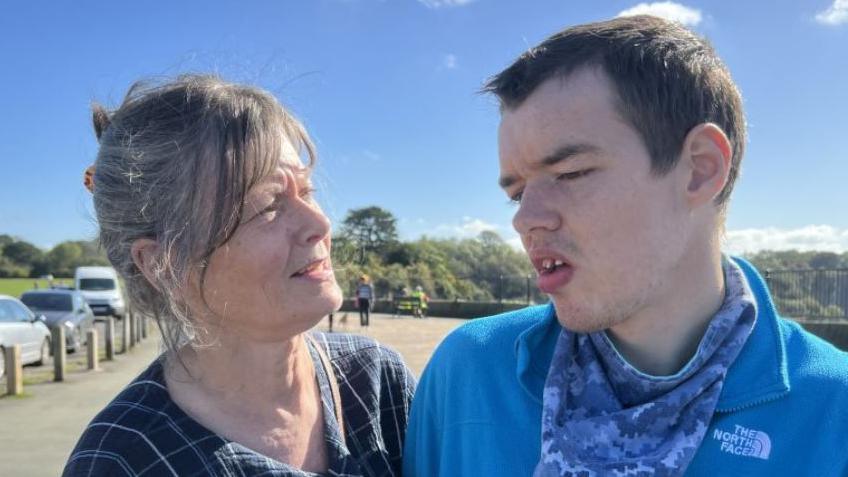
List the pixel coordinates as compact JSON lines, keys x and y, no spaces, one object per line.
{"x":515,"y":242}
{"x":468,"y":228}
{"x":371,"y":156}
{"x":812,"y":237}
{"x":836,"y":14}
{"x":444,"y":3}
{"x":669,"y":10}
{"x":449,"y":61}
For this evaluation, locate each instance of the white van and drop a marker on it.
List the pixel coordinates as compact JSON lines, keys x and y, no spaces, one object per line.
{"x":101,"y":290}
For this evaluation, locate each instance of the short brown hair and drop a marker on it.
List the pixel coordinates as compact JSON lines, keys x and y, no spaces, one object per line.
{"x":668,"y":80}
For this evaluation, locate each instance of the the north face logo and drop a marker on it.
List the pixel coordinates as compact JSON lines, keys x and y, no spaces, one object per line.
{"x":744,"y":441}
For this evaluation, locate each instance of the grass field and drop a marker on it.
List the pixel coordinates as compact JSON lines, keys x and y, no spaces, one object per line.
{"x":16,"y":286}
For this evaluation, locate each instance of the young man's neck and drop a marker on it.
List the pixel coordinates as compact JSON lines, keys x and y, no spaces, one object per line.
{"x":661,"y":339}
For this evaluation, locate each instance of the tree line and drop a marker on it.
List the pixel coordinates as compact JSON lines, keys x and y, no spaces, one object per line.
{"x":21,"y":259}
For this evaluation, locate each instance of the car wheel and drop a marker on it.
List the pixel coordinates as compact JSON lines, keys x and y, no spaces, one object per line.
{"x":45,"y":352}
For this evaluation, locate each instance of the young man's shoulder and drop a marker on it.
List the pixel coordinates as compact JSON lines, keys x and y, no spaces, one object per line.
{"x":493,"y":337}
{"x":813,"y":363}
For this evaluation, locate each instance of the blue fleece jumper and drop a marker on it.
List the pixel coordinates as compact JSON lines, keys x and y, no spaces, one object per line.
{"x":783,"y":410}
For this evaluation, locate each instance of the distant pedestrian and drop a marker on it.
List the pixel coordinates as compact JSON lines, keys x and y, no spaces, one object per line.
{"x":364,"y":299}
{"x":421,"y":310}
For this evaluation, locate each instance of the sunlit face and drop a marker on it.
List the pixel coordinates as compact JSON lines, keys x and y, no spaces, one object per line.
{"x":274,"y":278}
{"x":601,"y":230}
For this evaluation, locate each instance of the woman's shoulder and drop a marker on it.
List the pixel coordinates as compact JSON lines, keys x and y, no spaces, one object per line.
{"x":134,"y":432}
{"x":360,"y":355}
{"x":345,"y":346}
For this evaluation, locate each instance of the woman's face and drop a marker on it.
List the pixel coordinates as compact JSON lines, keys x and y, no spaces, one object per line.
{"x":274,"y":278}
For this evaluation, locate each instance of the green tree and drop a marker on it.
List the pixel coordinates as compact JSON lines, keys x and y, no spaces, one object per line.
{"x":22,"y":253}
{"x":64,"y":258}
{"x":370,"y":229}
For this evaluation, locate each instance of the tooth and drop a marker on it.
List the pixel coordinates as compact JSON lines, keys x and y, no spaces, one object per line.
{"x":558,"y":263}
{"x":546,"y":263}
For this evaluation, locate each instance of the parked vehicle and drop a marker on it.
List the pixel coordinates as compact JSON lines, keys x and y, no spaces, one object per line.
{"x":65,"y":308}
{"x":101,"y":290}
{"x":20,"y":326}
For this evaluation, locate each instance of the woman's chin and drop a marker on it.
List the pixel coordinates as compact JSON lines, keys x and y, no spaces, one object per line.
{"x":335,"y":297}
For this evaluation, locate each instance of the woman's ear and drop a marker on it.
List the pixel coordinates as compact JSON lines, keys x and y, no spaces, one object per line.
{"x":707,"y":153}
{"x":144,"y":252}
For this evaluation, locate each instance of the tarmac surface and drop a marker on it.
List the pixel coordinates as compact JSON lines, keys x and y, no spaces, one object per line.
{"x":39,"y":429}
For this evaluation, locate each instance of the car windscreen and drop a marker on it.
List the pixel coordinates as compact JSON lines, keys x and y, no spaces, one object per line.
{"x":48,"y":301}
{"x":94,"y":284}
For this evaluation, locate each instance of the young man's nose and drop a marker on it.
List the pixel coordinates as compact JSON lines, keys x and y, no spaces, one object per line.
{"x":535,"y":213}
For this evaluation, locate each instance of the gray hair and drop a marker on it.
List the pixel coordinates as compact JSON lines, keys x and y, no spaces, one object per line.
{"x":176,"y":160}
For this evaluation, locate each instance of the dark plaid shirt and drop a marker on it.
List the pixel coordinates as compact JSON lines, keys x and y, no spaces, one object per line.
{"x":143,"y":432}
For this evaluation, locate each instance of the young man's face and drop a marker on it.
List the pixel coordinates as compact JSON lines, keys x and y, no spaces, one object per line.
{"x":602,"y":231}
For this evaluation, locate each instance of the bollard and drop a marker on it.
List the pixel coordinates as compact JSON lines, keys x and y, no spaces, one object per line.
{"x":91,"y":344}
{"x":133,"y":330}
{"x":110,"y":339}
{"x":125,"y":333}
{"x":58,"y":334}
{"x":14,"y":371}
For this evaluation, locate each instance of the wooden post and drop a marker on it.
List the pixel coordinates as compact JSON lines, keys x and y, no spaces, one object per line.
{"x":14,"y":371}
{"x":110,"y":338}
{"x":133,"y":330}
{"x":125,"y":333}
{"x":58,"y":353}
{"x":91,"y":344}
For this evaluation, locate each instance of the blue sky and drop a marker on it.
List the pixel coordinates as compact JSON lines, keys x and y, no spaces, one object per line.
{"x":388,"y":91}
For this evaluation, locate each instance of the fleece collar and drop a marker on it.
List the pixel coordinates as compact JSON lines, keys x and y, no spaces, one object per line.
{"x":758,"y":375}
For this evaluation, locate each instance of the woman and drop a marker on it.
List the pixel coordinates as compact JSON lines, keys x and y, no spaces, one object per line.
{"x":206,"y":210}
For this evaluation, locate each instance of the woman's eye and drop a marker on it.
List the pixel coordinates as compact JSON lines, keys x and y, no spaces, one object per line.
{"x":306,"y":192}
{"x":270,"y":210}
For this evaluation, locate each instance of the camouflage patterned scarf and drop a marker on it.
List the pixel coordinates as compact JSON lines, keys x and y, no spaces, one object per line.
{"x":603,"y":417}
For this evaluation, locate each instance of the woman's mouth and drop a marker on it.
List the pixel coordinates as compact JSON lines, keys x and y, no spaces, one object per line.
{"x":317,"y":270}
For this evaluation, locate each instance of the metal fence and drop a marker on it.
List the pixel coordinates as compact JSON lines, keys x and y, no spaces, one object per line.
{"x":816,"y":294}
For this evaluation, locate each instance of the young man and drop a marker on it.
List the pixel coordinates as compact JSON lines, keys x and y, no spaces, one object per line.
{"x":620,"y":142}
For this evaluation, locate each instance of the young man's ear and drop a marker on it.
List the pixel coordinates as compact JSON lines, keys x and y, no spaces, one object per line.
{"x":144,"y":252}
{"x":707,"y":153}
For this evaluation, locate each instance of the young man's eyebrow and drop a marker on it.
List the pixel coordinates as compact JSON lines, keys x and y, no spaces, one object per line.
{"x":562,"y":153}
{"x":566,"y":152}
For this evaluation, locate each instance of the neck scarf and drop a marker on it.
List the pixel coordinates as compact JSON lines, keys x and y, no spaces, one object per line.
{"x":601,"y":416}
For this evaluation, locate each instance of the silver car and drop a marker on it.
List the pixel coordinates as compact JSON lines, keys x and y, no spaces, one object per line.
{"x":65,"y":308}
{"x":19,"y":325}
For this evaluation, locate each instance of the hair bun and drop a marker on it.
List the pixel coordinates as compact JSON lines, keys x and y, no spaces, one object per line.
{"x":100,"y":118}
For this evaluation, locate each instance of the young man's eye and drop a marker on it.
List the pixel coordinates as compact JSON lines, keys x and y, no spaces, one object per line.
{"x":574,"y":175}
{"x":515,"y":199}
